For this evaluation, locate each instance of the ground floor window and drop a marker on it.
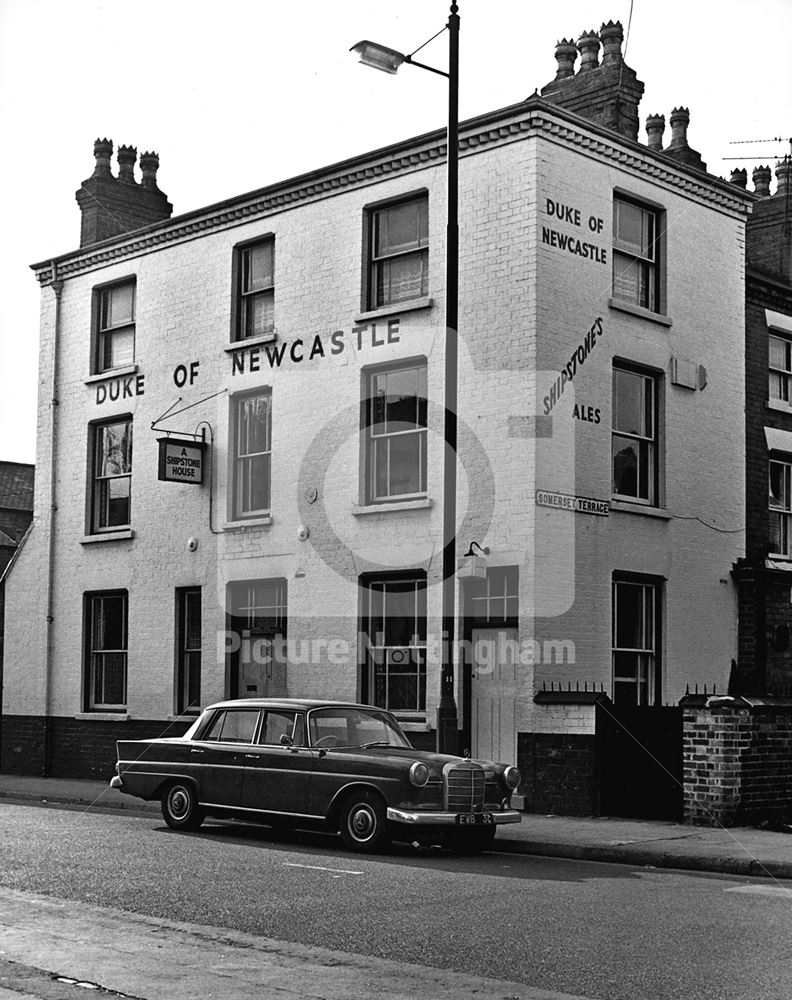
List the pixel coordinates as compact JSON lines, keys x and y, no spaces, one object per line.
{"x":106,"y":650}
{"x":635,"y":642}
{"x":188,"y":650}
{"x":394,"y":633}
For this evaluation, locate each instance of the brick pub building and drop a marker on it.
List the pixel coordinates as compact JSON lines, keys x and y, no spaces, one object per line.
{"x":240,"y":489}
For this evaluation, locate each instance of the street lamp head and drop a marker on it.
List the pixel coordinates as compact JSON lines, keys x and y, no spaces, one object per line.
{"x":378,"y":56}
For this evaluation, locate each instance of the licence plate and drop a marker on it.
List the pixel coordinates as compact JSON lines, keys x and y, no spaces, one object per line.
{"x":474,"y":819}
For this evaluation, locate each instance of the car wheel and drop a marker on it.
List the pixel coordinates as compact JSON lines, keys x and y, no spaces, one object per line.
{"x":363,"y":822}
{"x":180,"y":808}
{"x":473,"y":841}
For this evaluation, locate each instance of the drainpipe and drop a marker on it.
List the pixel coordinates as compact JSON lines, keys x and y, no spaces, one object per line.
{"x":57,"y":286}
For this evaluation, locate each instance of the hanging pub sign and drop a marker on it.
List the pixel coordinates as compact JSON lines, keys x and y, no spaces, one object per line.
{"x":181,"y":461}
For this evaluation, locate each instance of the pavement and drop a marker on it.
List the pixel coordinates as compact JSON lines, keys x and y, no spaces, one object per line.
{"x":649,"y":843}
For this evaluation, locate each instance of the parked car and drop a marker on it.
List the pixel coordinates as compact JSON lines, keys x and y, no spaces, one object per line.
{"x":344,"y":767}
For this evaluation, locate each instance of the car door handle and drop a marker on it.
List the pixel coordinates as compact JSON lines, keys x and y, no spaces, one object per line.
{"x":194,"y":750}
{"x":252,"y":756}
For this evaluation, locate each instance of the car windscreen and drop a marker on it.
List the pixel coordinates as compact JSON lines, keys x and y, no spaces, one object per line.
{"x":354,"y":727}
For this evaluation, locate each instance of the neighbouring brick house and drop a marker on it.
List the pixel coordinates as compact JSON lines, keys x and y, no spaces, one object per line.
{"x":744,"y":741}
{"x":290,"y":341}
{"x":16,"y":513}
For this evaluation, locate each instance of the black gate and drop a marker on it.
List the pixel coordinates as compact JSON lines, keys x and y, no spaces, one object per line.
{"x":641,"y":761}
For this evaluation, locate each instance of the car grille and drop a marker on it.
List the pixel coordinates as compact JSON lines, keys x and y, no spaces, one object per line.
{"x":463,"y":788}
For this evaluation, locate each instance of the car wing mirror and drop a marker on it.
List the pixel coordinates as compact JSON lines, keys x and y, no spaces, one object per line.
{"x":286,"y":741}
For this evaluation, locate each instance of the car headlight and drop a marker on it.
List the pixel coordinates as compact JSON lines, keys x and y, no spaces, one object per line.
{"x":419,"y":774}
{"x":511,"y":777}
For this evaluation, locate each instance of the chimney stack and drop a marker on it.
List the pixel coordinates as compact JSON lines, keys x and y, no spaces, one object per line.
{"x":607,"y":94}
{"x":588,"y":45}
{"x":782,"y":177}
{"x":566,"y":54}
{"x":768,"y":229}
{"x":739,"y":177}
{"x":655,"y":126}
{"x":110,"y":205}
{"x":761,"y":179}
{"x":678,"y":147}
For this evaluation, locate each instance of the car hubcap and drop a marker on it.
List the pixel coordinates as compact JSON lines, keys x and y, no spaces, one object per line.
{"x":179,"y":803}
{"x":362,"y":823}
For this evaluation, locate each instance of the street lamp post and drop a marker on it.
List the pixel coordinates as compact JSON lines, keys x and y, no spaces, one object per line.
{"x":388,"y":60}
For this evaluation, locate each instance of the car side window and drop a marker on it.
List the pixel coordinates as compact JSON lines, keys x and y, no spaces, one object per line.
{"x":277,"y":724}
{"x":234,"y":726}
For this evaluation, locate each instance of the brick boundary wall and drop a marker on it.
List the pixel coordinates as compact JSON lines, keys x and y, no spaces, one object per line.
{"x":560,"y":773}
{"x":737,"y":761}
{"x":78,"y":749}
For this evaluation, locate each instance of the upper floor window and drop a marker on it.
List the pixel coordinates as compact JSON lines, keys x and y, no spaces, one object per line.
{"x":106,"y":649}
{"x":399,"y":252}
{"x":395,"y":415}
{"x":780,"y":503}
{"x":115,"y":326}
{"x":112,"y":475}
{"x":636,"y":242}
{"x":255,"y":302}
{"x":780,"y":368}
{"x":253,"y":454}
{"x":634,"y":452}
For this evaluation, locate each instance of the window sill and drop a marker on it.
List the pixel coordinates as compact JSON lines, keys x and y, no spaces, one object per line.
{"x":411,"y":305}
{"x":778,"y":562}
{"x":240,"y":345}
{"x":249,"y":522}
{"x":108,"y":536}
{"x":112,"y":373}
{"x":100,"y":716}
{"x":779,"y":404}
{"x":388,"y":508}
{"x":623,"y":306}
{"x":625,"y":507}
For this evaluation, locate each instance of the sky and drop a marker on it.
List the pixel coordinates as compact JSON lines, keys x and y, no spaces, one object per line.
{"x":240,"y":94}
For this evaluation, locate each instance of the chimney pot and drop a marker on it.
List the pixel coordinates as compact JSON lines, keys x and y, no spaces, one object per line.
{"x":588,"y":45}
{"x":680,"y":119}
{"x":566,"y":54}
{"x":126,"y":164}
{"x":739,"y":176}
{"x":611,"y":36}
{"x":149,"y":164}
{"x":655,"y":126}
{"x":782,"y":177}
{"x":761,"y":180}
{"x":103,"y":150}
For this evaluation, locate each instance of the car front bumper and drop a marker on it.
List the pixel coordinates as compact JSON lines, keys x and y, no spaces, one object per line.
{"x":116,"y":782}
{"x":422,"y":818}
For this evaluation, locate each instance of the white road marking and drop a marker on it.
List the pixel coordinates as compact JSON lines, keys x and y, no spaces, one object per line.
{"x":319,"y":868}
{"x":763,"y":890}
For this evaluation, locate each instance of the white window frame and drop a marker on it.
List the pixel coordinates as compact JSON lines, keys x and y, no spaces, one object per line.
{"x":103,"y":481}
{"x":780,"y":507}
{"x":381,"y":257}
{"x":647,"y":257}
{"x":106,"y":332}
{"x":247,"y":295}
{"x":647,"y":438}
{"x":781,"y":375}
{"x":97,"y":655}
{"x":384,"y":658}
{"x":380,"y":440}
{"x":644,"y":676}
{"x":244,"y":460}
